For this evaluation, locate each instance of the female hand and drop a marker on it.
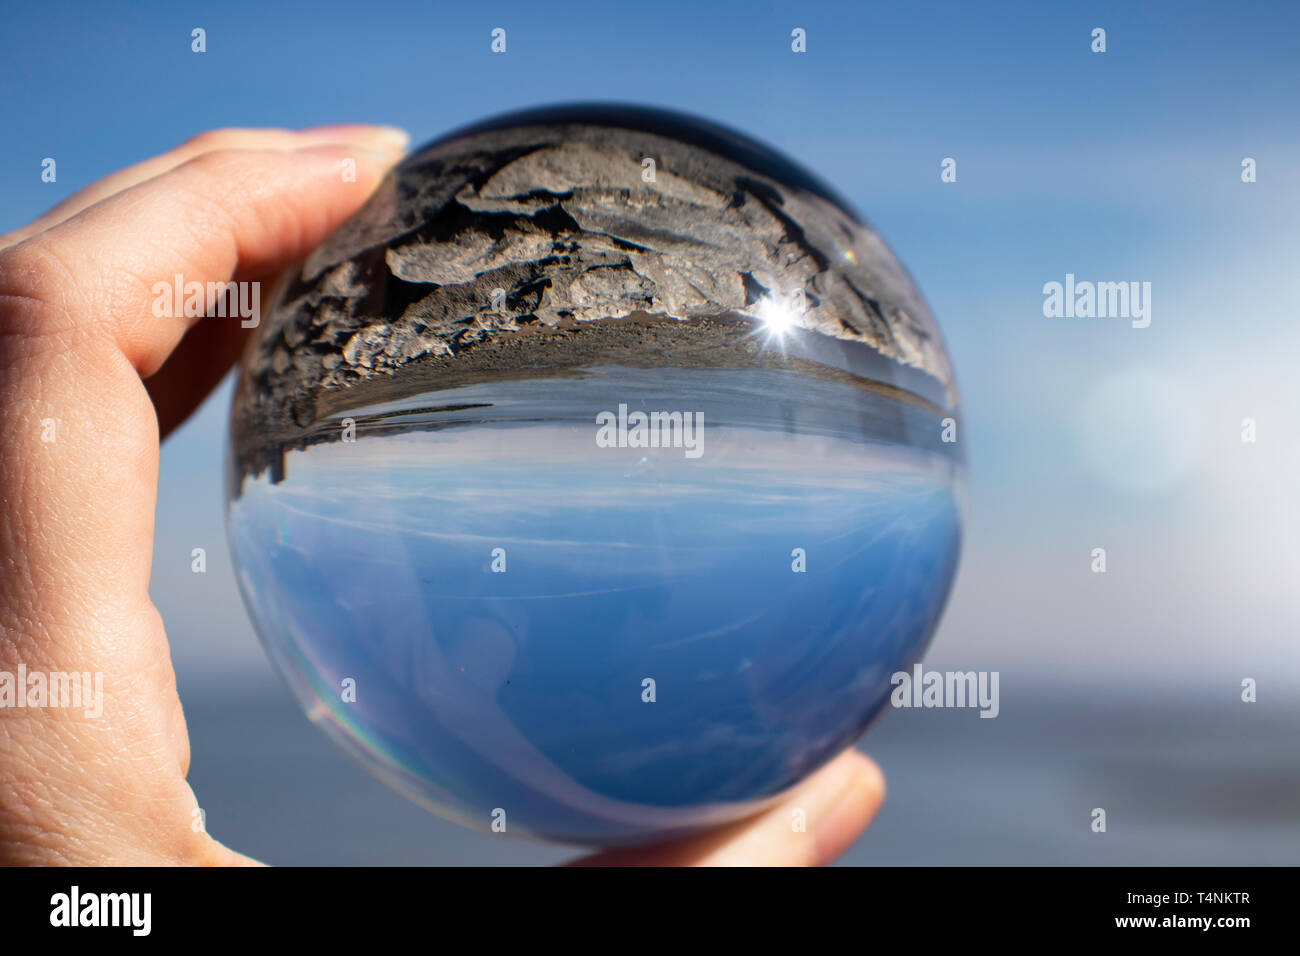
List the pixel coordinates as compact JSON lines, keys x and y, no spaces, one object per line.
{"x":90,"y":380}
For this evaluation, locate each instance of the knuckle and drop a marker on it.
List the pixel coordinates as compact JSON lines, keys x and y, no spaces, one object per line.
{"x":229,"y":137}
{"x":217,"y":163}
{"x":211,"y":139}
{"x":211,"y":184}
{"x":22,"y":265}
{"x":34,"y":289}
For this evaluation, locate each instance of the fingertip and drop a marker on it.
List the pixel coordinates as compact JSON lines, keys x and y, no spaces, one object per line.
{"x":869,"y":777}
{"x":853,"y":810}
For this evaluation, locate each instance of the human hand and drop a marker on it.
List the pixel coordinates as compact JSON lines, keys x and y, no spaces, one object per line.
{"x":90,"y":381}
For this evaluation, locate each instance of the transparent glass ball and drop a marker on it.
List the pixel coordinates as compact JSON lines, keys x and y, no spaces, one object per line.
{"x":593,"y":480}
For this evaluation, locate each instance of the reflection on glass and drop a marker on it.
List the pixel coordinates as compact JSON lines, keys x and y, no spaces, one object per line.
{"x":768,"y":587}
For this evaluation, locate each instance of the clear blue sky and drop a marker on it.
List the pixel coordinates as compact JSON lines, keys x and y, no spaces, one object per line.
{"x":1115,"y":166}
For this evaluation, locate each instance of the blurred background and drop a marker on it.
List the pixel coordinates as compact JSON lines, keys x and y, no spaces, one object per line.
{"x":1119,"y":690}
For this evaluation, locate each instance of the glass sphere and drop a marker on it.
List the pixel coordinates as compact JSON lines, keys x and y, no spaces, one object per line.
{"x":592,"y":481}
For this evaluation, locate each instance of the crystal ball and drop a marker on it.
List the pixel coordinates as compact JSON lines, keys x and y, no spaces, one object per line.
{"x":593,"y":480}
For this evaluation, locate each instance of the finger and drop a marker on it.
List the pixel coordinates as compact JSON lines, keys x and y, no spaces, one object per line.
{"x":78,"y":473}
{"x":373,"y":137}
{"x":253,"y":212}
{"x":80,"y":300}
{"x":195,"y":367}
{"x":820,"y":819}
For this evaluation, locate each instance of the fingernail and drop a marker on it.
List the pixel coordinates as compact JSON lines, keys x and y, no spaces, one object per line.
{"x":390,"y":137}
{"x":376,"y":153}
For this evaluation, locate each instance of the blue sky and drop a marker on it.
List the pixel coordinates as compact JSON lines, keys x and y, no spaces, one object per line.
{"x":1116,"y":166}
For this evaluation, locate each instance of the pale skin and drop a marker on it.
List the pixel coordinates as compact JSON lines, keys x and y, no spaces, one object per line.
{"x":80,"y":347}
